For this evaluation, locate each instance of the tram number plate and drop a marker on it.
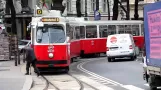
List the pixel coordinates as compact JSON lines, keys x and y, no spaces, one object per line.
{"x":51,"y":65}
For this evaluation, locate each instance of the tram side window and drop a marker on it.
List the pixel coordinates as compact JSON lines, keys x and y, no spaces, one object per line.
{"x":111,"y":29}
{"x":77,"y":32}
{"x":68,"y":30}
{"x":121,"y":29}
{"x":128,"y":29}
{"x":103,"y":30}
{"x":135,"y":29}
{"x":32,"y":34}
{"x":71,"y":32}
{"x":91,"y":31}
{"x":82,"y":32}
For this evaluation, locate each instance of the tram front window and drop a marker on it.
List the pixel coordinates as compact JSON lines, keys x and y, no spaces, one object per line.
{"x":50,"y":34}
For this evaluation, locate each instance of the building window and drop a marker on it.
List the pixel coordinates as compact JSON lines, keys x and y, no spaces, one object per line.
{"x":126,"y":0}
{"x":82,"y":6}
{"x":104,"y":6}
{"x":69,"y":5}
{"x":93,"y":5}
{"x":123,"y":0}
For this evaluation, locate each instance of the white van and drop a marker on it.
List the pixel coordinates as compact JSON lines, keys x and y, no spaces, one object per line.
{"x":119,"y":46}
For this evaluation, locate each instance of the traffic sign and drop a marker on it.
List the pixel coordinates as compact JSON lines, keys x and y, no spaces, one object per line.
{"x":97,"y":15}
{"x":39,"y":11}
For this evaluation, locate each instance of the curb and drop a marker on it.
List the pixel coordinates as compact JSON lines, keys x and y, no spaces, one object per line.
{"x":28,"y":79}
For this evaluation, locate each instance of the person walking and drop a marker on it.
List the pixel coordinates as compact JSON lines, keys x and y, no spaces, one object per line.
{"x":31,"y":60}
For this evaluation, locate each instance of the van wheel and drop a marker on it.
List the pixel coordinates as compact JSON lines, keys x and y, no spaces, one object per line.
{"x":82,"y":54}
{"x":132,"y":58}
{"x":109,"y":59}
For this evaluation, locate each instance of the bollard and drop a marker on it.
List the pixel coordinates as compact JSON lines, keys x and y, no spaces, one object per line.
{"x":15,"y":60}
{"x":24,"y":56}
{"x":18,"y":58}
{"x":18,"y":53}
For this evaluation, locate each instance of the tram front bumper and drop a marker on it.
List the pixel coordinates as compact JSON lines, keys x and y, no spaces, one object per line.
{"x":53,"y":63}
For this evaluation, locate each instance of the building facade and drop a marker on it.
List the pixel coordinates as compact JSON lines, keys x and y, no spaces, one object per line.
{"x":24,"y":12}
{"x":25,"y":9}
{"x":91,"y":7}
{"x":141,"y":4}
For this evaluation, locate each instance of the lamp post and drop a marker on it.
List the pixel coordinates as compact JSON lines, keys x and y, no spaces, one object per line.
{"x":122,"y":15}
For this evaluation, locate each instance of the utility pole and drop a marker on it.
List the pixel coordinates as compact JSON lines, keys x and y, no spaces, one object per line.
{"x":85,"y":9}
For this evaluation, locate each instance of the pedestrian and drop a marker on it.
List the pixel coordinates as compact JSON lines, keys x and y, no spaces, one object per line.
{"x":31,"y":60}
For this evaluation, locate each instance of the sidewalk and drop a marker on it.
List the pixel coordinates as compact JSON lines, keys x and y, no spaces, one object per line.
{"x":12,"y":77}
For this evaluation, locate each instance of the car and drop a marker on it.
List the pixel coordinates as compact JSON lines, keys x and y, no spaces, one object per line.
{"x":22,"y":44}
{"x":120,"y":46}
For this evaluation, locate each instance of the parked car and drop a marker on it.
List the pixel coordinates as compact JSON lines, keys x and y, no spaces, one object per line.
{"x":22,"y":44}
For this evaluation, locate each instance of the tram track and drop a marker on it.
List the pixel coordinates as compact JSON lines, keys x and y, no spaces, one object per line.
{"x":49,"y":83}
{"x":81,"y":82}
{"x":82,"y":85}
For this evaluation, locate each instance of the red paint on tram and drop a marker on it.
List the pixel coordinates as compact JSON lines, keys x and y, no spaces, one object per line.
{"x":139,"y":41}
{"x":61,"y":56}
{"x":93,"y":46}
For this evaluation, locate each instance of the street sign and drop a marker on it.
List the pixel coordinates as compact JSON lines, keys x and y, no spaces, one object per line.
{"x":97,"y":15}
{"x":39,"y":11}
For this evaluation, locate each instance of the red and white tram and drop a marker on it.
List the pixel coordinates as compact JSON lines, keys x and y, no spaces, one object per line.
{"x":93,"y":34}
{"x":50,"y":35}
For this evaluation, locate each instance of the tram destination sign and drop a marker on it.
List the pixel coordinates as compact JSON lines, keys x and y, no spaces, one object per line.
{"x":50,"y":19}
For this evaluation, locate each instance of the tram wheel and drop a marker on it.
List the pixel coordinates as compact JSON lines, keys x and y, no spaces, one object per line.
{"x":67,"y":69}
{"x":82,"y":54}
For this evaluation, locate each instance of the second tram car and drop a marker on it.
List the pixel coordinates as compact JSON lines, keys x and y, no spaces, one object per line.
{"x":93,"y":34}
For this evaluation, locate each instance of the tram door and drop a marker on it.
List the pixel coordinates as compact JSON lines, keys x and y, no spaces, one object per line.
{"x":90,"y":42}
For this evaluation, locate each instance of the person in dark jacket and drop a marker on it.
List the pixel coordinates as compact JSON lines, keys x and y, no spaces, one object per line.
{"x":31,"y":60}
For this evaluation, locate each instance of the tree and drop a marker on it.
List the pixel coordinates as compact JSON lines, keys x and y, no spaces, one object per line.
{"x":78,"y":7}
{"x":128,"y":10}
{"x":108,"y":5}
{"x":13,"y":15}
{"x":115,"y":10}
{"x":136,"y":15}
{"x":122,"y":7}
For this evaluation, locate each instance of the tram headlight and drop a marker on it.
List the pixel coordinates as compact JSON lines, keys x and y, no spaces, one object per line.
{"x":51,"y":55}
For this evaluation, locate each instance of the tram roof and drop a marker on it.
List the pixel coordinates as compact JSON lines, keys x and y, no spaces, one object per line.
{"x":122,"y":22}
